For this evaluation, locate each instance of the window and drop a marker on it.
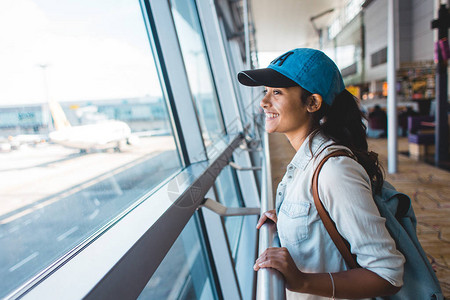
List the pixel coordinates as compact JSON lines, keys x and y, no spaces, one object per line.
{"x":334,"y":28}
{"x":229,"y":195}
{"x":198,"y":70}
{"x":346,"y":55}
{"x":86,"y":132}
{"x":352,"y":8}
{"x":186,"y":267}
{"x":350,"y":70}
{"x":379,"y":57}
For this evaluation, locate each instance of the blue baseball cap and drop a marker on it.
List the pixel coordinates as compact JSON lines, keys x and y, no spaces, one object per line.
{"x":309,"y":68}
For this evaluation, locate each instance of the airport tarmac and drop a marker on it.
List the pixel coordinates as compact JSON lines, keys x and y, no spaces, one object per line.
{"x":53,"y":198}
{"x":31,"y":173}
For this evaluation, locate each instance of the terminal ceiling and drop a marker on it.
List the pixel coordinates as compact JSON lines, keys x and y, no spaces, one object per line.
{"x":281,"y":25}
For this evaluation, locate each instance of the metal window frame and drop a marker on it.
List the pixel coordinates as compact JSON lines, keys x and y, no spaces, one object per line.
{"x":168,"y":96}
{"x":175,"y":78}
{"x":215,"y":94}
{"x":228,"y":100}
{"x":231,"y":64}
{"x":219,"y":66}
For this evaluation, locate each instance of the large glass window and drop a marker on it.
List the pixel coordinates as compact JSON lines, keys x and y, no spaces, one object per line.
{"x":84,"y":127}
{"x":185,"y":267}
{"x":198,"y":69}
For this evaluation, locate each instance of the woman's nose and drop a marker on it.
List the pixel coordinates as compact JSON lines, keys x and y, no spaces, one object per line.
{"x":264,"y":101}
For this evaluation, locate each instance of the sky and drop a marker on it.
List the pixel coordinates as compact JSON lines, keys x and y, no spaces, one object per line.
{"x":84,"y":49}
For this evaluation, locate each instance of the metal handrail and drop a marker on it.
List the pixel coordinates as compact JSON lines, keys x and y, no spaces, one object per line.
{"x":270,"y":282}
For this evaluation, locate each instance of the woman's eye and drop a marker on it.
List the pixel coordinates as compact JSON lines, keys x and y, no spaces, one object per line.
{"x":265,"y":92}
{"x":276,"y":92}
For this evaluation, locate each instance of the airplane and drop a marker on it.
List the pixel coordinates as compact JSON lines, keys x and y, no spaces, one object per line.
{"x":106,"y":134}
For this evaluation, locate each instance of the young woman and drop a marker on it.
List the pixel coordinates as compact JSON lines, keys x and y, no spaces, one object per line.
{"x":305,"y":98}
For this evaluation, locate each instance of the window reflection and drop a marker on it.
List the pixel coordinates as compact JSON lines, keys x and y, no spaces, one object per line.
{"x":185,"y":266}
{"x":84,"y":128}
{"x":198,"y":70}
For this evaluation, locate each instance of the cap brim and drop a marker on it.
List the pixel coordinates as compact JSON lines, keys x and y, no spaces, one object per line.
{"x":265,"y":77}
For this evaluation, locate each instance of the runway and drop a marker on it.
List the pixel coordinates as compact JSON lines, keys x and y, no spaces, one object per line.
{"x":52,"y":198}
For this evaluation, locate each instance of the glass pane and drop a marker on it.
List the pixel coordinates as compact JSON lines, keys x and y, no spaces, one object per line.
{"x":230,"y":196}
{"x":198,"y":69}
{"x":184,"y":273}
{"x":84,"y":128}
{"x":235,"y":65}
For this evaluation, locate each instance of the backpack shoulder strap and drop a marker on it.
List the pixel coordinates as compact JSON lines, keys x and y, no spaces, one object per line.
{"x":342,"y":245}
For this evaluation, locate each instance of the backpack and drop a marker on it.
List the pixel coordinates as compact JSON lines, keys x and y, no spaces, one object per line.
{"x":419,"y":278}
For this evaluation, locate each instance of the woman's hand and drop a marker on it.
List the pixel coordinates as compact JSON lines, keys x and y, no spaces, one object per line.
{"x":281,"y":260}
{"x":270,"y":214}
{"x":351,"y":284}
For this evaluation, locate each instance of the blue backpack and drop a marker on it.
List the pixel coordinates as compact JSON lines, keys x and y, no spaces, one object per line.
{"x":419,"y":279}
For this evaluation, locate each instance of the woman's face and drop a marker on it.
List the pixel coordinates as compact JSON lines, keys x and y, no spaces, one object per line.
{"x":284,"y":110}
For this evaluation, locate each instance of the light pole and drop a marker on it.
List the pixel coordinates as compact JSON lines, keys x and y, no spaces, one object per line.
{"x":46,"y":114}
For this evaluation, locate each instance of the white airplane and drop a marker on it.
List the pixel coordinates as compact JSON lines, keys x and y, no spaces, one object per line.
{"x":104,"y":135}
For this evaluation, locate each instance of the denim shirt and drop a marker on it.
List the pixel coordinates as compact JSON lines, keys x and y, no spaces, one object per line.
{"x":346,"y":193}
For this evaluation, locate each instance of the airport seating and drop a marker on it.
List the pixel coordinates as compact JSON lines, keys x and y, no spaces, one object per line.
{"x":377,"y":124}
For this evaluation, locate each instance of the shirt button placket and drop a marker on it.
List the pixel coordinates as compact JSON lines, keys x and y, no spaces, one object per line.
{"x":290,"y":173}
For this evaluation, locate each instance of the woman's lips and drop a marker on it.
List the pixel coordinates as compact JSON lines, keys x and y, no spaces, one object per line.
{"x":271,"y":116}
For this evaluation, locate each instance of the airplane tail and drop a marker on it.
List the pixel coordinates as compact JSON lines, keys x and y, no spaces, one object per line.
{"x":58,"y":115}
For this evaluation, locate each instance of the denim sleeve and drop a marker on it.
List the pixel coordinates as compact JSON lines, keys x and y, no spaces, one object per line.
{"x":345,"y":190}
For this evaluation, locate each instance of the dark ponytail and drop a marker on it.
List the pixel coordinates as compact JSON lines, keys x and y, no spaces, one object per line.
{"x":343,"y":123}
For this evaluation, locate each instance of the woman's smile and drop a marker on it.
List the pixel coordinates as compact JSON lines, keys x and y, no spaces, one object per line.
{"x":271,"y":115}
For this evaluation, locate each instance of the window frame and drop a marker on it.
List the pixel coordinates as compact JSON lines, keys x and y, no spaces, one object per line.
{"x":160,"y":24}
{"x":222,"y":74}
{"x":116,"y":261}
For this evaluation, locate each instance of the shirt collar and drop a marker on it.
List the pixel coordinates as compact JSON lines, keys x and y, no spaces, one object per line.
{"x":307,"y":152}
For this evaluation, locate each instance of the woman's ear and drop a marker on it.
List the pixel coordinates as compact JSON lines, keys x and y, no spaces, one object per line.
{"x":314,"y":103}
